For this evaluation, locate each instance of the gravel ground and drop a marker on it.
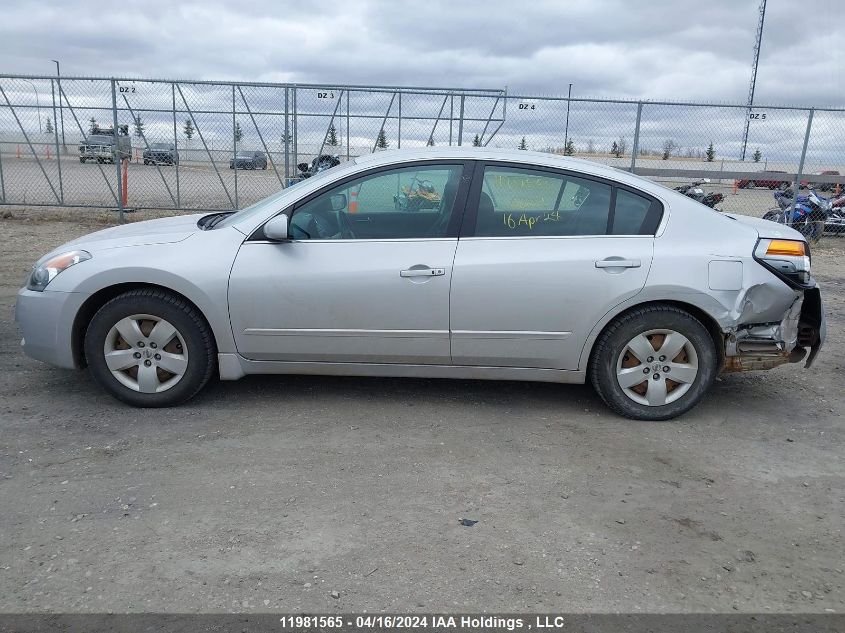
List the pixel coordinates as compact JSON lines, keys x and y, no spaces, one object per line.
{"x":271,"y":493}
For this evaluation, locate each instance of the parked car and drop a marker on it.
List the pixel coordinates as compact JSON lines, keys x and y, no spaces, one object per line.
{"x":822,"y":186}
{"x":764,"y":181}
{"x":99,"y":147}
{"x":531,"y":267}
{"x":248,"y":160}
{"x":161,"y":154}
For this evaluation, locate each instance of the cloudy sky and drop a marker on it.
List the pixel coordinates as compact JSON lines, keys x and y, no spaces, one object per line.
{"x":658,"y":49}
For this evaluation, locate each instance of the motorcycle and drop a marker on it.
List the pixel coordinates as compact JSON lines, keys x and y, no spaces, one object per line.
{"x":320,"y":163}
{"x":809,"y":213}
{"x":694,"y":191}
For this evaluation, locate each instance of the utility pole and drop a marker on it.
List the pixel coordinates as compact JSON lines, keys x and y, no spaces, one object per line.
{"x":61,"y":110}
{"x":37,"y":103}
{"x":758,"y":40}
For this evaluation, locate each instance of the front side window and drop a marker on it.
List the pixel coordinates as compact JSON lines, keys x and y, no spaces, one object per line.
{"x":517,"y":202}
{"x":402,"y":203}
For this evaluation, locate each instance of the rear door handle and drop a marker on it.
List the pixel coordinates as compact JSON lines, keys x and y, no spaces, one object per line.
{"x":618,"y":263}
{"x":422,"y":272}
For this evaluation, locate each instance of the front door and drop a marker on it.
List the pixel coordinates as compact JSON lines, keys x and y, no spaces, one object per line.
{"x":365,"y":277}
{"x":547,"y":255}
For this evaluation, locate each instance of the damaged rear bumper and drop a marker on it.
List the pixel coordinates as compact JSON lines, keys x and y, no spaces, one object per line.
{"x":800,"y":333}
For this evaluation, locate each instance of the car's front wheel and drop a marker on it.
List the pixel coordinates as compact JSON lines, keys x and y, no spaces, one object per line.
{"x":654,"y":363}
{"x":150,"y":348}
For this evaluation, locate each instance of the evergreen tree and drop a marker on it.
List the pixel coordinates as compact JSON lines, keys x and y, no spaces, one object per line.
{"x":238,"y":133}
{"x":614,"y":149}
{"x":188,"y":130}
{"x":139,"y":126}
{"x":381,"y":140}
{"x":569,"y":149}
{"x":476,"y":142}
{"x":710,"y":153}
{"x":331,"y":136}
{"x":757,"y":153}
{"x":523,"y":144}
{"x":93,"y":128}
{"x":48,"y":129}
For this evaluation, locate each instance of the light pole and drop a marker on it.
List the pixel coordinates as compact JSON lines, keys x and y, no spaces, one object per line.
{"x":61,"y":111}
{"x":566,"y":133}
{"x":37,"y":104}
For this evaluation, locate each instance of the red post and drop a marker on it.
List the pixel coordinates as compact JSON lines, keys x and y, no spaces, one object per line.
{"x":124,"y":189}
{"x":18,"y":152}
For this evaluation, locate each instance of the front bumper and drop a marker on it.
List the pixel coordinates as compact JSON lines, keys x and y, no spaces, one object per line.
{"x":46,"y":322}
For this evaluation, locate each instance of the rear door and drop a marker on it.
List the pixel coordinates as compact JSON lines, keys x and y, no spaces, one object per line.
{"x":543,"y":255}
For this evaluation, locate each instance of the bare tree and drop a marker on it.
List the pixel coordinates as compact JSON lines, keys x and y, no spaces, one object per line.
{"x":623,"y":146}
{"x":668,"y":147}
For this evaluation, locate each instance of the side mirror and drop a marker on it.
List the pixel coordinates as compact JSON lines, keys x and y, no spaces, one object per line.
{"x":277,"y":229}
{"x":338,"y":202}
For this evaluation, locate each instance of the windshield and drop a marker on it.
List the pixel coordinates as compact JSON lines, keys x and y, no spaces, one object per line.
{"x":160,"y":146}
{"x":245,"y":154}
{"x":276,"y":201}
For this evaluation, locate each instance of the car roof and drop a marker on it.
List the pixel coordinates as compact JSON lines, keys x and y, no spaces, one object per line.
{"x":525,"y":157}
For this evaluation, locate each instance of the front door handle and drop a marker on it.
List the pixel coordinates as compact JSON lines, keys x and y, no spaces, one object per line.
{"x":422,"y":272}
{"x":618,"y":263}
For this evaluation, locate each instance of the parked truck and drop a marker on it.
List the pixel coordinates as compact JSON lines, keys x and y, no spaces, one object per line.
{"x":99,"y":146}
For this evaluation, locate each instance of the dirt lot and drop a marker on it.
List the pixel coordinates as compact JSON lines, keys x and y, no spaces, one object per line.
{"x":273,"y":492}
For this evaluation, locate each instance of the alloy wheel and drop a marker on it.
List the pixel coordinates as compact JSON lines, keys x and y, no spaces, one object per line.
{"x":657,"y":367}
{"x":146,"y":353}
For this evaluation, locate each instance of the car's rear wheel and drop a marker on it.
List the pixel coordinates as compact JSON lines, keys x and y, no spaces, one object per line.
{"x":150,"y":348}
{"x":654,"y":363}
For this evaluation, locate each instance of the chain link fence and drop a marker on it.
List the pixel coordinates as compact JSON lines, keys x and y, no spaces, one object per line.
{"x":198,"y":145}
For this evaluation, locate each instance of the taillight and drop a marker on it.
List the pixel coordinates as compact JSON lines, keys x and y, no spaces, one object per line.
{"x":788,"y":258}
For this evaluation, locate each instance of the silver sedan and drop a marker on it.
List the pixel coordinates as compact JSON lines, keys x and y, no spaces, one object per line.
{"x":447,"y":263}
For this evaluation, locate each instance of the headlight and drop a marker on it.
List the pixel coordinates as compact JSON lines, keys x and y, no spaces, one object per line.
{"x":788,"y":258}
{"x":44,"y":273}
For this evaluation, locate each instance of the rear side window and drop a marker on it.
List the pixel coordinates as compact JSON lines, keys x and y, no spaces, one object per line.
{"x":634,"y":214}
{"x":518,"y":202}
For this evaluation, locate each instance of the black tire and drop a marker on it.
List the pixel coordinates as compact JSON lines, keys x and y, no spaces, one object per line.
{"x":184,"y":317}
{"x":613,"y":342}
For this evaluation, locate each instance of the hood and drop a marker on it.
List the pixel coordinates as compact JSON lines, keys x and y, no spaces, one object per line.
{"x":766,"y":228}
{"x":160,"y":231}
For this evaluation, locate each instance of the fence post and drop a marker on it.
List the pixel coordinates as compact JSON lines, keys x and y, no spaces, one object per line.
{"x":636,"y":148}
{"x":235,"y":146}
{"x":2,"y":184}
{"x":797,"y":183}
{"x":176,"y":144}
{"x":116,"y":151}
{"x":286,"y":140}
{"x":295,"y":133}
{"x":451,"y":116}
{"x":399,"y":133}
{"x":347,"y":126}
{"x":56,"y":138}
{"x":461,"y":123}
